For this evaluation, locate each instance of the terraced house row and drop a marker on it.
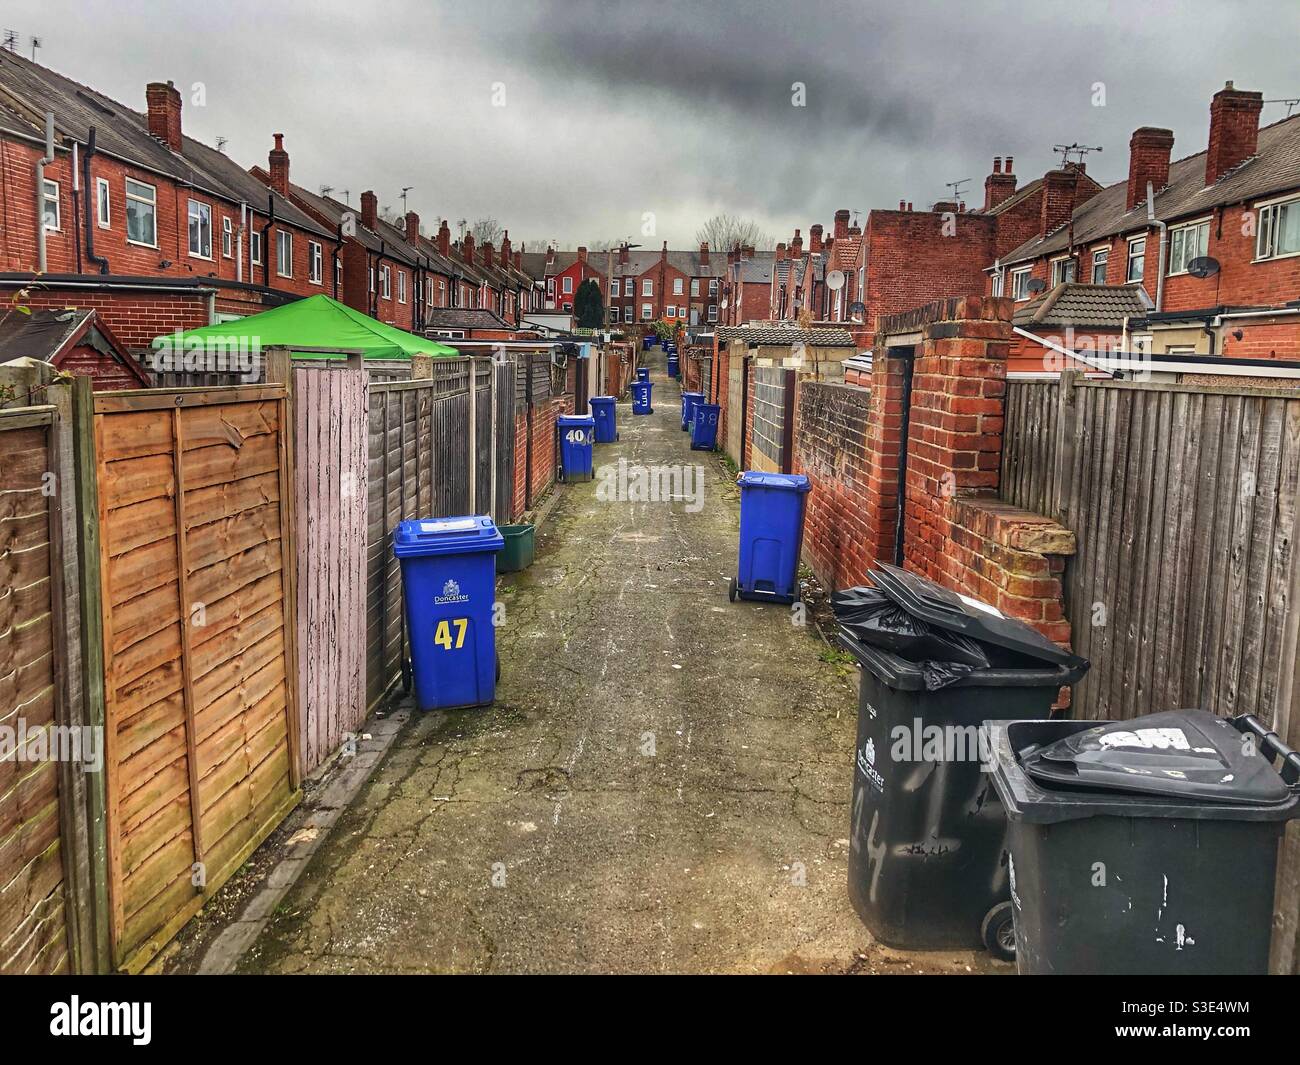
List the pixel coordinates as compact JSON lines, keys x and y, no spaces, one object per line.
{"x":156,"y":231}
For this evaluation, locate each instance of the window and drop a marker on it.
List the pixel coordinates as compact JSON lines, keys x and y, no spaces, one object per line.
{"x":1099,"y":260}
{"x":103,"y":208}
{"x":227,"y":238}
{"x":647,"y":312}
{"x":200,"y":220}
{"x":647,"y":287}
{"x":713,"y":312}
{"x":385,"y":283}
{"x":338,"y":274}
{"x":142,"y":214}
{"x":255,"y":247}
{"x":1279,"y":230}
{"x":677,"y":286}
{"x":995,"y":284}
{"x":401,"y":286}
{"x":442,"y":292}
{"x":713,"y":287}
{"x":550,"y":288}
{"x":1187,"y":243}
{"x":284,"y":253}
{"x":1137,"y":250}
{"x":568,"y":284}
{"x":50,"y":202}
{"x":695,"y":286}
{"x":613,"y":314}
{"x":315,"y":262}
{"x":627,"y":313}
{"x":1020,"y":283}
{"x":1062,"y":271}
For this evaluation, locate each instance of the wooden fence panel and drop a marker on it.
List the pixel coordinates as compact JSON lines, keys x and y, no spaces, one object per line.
{"x":34,"y":926}
{"x":195,"y":508}
{"x":1029,"y":444}
{"x":329,"y":405}
{"x":735,"y":409}
{"x":505,"y":447}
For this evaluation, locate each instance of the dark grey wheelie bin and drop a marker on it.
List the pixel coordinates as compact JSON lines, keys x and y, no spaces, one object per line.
{"x":1146,"y":846}
{"x":927,"y":841}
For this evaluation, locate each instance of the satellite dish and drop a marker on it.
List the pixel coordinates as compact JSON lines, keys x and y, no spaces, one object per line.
{"x":835,"y":280}
{"x":1203,"y":266}
{"x":724,"y":303}
{"x":1037,"y":284}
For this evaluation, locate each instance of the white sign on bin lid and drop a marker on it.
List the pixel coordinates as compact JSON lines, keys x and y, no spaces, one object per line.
{"x":453,"y":525}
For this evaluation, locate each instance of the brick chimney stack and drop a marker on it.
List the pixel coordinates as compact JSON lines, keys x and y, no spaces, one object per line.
{"x":489,"y":253}
{"x":443,"y":240}
{"x":841,"y":223}
{"x":506,"y":257}
{"x":164,"y":102}
{"x":704,"y":253}
{"x":278,"y":160}
{"x":622,"y":254}
{"x":550,"y":255}
{"x":1059,"y":187}
{"x":412,"y":226}
{"x":519,"y":260}
{"x":796,"y":246}
{"x":780,"y":252}
{"x":467,"y":247}
{"x":582,"y":256}
{"x":369,"y":209}
{"x":815,"y":238}
{"x":999,"y":185}
{"x":1148,"y":160}
{"x":663,"y":255}
{"x":747,"y":251}
{"x":1234,"y":130}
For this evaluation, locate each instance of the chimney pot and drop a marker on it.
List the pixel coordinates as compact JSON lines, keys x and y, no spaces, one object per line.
{"x":278,"y":162}
{"x":704,"y":252}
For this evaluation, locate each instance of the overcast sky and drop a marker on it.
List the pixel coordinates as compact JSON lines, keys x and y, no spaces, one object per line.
{"x":575,"y":120}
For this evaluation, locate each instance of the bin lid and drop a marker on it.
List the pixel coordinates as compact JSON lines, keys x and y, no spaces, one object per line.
{"x":575,"y":419}
{"x":794,"y":482}
{"x":1185,"y":754}
{"x":446,"y":536}
{"x":601,"y":400}
{"x":946,"y":609}
{"x":692,"y":395}
{"x":898,"y":673}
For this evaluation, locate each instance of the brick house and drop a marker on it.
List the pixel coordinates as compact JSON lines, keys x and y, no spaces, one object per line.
{"x":155,"y":230}
{"x":1237,"y":202}
{"x":684,"y":287}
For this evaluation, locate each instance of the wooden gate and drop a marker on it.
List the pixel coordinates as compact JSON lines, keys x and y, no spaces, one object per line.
{"x":736,"y":409}
{"x":773,"y":419}
{"x":196,"y":565}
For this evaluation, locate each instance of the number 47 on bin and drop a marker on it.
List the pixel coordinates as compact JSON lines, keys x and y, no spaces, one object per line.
{"x":442,"y":635}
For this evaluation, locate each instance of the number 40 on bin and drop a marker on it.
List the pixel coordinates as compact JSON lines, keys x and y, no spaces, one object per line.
{"x":442,"y":634}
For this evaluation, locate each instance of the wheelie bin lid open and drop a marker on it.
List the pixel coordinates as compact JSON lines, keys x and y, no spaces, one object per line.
{"x":946,"y":609}
{"x":795,"y":482}
{"x":1179,"y":764}
{"x":446,"y":536}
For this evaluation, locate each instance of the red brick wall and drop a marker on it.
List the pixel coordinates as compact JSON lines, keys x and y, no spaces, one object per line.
{"x":518,"y":502}
{"x":134,"y":317}
{"x":910,"y":260}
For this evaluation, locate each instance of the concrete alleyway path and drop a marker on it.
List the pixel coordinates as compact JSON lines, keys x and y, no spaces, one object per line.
{"x":662,"y":785}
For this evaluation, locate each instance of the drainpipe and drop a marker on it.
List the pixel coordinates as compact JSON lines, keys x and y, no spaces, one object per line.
{"x":1164,"y":235}
{"x":909,"y":364}
{"x":92,"y":209}
{"x":239,"y":240}
{"x":266,"y":233}
{"x":41,"y":164}
{"x":338,"y":246}
{"x":76,"y":201}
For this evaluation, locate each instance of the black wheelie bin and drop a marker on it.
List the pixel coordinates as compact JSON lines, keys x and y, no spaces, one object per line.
{"x":927,"y":858}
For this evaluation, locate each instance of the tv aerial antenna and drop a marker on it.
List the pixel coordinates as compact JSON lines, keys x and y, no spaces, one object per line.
{"x":11,"y":41}
{"x":956,"y":187}
{"x":36,"y":43}
{"x":1079,"y":151}
{"x":1291,"y":104}
{"x":405,"y":190}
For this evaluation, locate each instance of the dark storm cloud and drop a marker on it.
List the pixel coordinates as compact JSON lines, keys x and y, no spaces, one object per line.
{"x":614,"y":112}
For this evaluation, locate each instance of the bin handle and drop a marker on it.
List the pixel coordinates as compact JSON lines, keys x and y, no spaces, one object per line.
{"x":1273,"y":746}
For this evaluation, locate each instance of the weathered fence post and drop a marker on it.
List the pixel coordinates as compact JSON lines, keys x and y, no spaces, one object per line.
{"x":1067,"y":415}
{"x":473,"y":435}
{"x":492,"y":460}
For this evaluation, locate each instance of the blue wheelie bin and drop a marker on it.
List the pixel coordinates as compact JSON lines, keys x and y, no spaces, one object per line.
{"x":449,"y":584}
{"x":704,"y":427}
{"x":689,"y":400}
{"x":674,"y":365}
{"x":643,"y":373}
{"x":771,"y":535}
{"x":576,"y":434}
{"x":641,"y":397}
{"x":602,"y":409}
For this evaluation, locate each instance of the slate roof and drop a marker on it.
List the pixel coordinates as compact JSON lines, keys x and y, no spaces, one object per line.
{"x":124,"y":133}
{"x":1274,"y":168}
{"x":817,"y":338}
{"x":463,"y":318}
{"x":1077,"y":304}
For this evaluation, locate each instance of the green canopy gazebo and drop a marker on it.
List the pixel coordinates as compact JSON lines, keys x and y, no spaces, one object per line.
{"x":311,"y":328}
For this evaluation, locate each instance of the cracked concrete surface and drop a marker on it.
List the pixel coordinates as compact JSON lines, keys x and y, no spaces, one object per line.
{"x":662,"y":785}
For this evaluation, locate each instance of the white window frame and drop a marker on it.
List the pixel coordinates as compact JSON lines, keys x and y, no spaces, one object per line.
{"x":678,"y":286}
{"x":227,"y":237}
{"x":1266,"y":228}
{"x":566,"y":287}
{"x":48,"y":198}
{"x":713,"y":312}
{"x":204,"y":213}
{"x":647,"y":312}
{"x":1018,"y":282}
{"x":338,"y":273}
{"x":713,"y":286}
{"x":103,"y":203}
{"x":150,"y":201}
{"x":629,"y":312}
{"x":1131,"y":258}
{"x":1058,"y":270}
{"x":1178,"y":236}
{"x":385,"y":282}
{"x":995,"y":283}
{"x":648,"y":287}
{"x":695,"y":286}
{"x":315,"y":262}
{"x":1104,"y":254}
{"x":283,"y":252}
{"x":401,"y":286}
{"x":254,"y":246}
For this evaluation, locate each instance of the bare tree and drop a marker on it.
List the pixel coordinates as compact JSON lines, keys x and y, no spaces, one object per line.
{"x":724,"y":231}
{"x":487,"y":231}
{"x":603,"y":245}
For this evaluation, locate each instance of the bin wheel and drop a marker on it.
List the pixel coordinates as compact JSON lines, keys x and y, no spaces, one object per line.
{"x":732,"y":589}
{"x":498,"y":654}
{"x":999,"y":932}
